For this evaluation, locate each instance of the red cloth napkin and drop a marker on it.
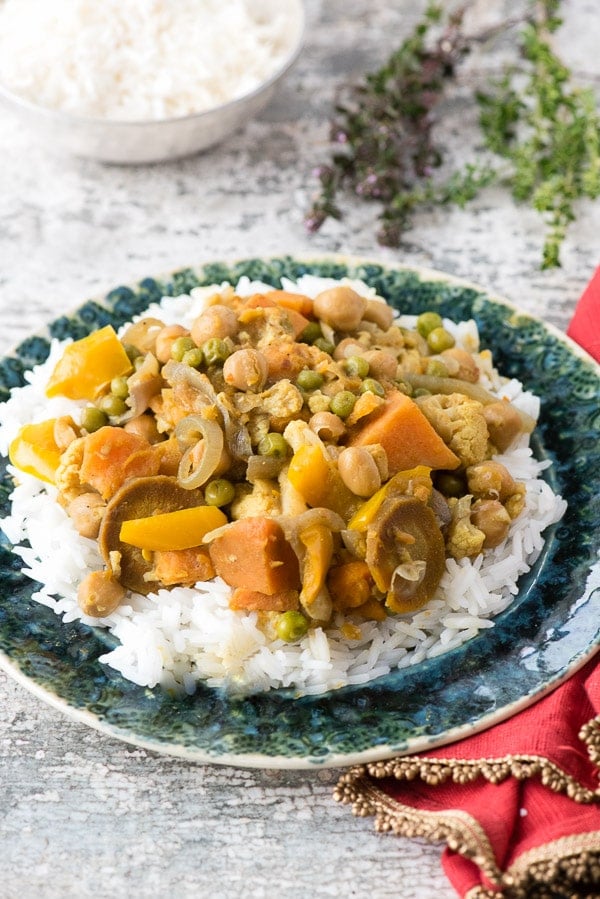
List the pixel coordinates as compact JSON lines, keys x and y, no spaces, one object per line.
{"x":519,"y":804}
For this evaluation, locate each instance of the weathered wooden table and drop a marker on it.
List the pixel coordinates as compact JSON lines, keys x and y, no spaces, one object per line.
{"x":81,"y":814}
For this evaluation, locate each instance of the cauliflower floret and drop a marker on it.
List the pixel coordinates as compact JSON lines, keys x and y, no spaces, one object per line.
{"x":282,"y":403}
{"x":67,"y":479}
{"x":263,"y":498}
{"x":460,"y":423}
{"x":463,"y":539}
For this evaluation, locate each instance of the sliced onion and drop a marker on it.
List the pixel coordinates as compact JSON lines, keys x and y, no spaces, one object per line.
{"x":237,"y":436}
{"x":189,"y":431}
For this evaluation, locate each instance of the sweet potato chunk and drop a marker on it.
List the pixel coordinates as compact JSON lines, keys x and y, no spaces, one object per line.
{"x":255,"y":601}
{"x":182,"y":566}
{"x":112,"y":455}
{"x":406,"y":436}
{"x":254,"y":553}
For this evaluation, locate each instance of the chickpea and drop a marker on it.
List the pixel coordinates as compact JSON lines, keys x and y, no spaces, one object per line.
{"x":246,"y":370}
{"x":347,"y":347}
{"x":165,"y":339}
{"x":86,"y":512}
{"x":99,"y":594}
{"x":216,"y":321}
{"x":490,"y":516}
{"x":464,"y":366}
{"x":359,"y":470}
{"x":504,"y":423}
{"x":379,"y":313}
{"x":382,"y":365}
{"x":144,"y":426}
{"x":491,"y":480}
{"x":340,"y":307}
{"x":327,"y":426}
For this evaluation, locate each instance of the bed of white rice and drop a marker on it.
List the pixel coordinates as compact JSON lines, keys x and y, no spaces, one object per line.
{"x":140,"y":59}
{"x":178,"y":637}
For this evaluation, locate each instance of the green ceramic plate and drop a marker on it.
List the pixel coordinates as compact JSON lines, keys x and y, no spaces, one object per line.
{"x":551,"y":628}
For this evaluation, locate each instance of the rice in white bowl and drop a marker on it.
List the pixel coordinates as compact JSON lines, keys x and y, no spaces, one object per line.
{"x":175,"y":638}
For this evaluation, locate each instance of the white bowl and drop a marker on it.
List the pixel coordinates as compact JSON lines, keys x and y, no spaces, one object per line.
{"x":138,"y":142}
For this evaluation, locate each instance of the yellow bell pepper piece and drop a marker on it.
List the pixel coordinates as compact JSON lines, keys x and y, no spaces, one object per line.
{"x":319,"y":482}
{"x":34,"y":450}
{"x":181,"y":529}
{"x":416,"y":481}
{"x":308,"y":472}
{"x":88,"y":364}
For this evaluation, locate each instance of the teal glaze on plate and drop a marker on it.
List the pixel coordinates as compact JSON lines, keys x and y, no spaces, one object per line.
{"x":549,"y":630}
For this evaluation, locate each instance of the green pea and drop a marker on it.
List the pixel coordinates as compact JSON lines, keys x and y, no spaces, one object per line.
{"x":342,"y":403}
{"x":93,"y":418}
{"x":326,"y":346}
{"x":180,"y":346}
{"x":436,"y":368}
{"x":119,"y":387}
{"x":216,"y":350}
{"x":421,"y":391}
{"x":311,"y":333}
{"x":291,"y":626}
{"x":309,"y":380}
{"x":112,"y":405}
{"x":428,"y":322}
{"x":194,"y":358}
{"x":139,"y":361}
{"x":450,"y":484}
{"x":219,"y":492}
{"x":356,"y":367}
{"x":132,"y":351}
{"x":370,"y":385}
{"x":273,"y":444}
{"x":439,"y":340}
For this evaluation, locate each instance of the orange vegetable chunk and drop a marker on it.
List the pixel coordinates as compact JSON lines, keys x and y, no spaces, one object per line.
{"x":111,"y":455}
{"x":182,"y":566}
{"x":406,"y":436}
{"x":35,"y":452}
{"x":254,"y":553}
{"x":255,"y":601}
{"x":88,"y":364}
{"x":299,"y":302}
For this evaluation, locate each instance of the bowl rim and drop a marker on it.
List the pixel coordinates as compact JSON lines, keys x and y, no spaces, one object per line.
{"x":298,"y":19}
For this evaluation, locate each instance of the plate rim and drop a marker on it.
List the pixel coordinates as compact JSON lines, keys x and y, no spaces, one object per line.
{"x":415,"y":744}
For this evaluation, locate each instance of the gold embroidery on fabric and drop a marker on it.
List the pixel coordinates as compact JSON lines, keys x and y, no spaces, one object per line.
{"x":552,"y":871}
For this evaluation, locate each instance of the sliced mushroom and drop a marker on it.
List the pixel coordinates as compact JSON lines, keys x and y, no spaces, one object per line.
{"x":405,"y":553}
{"x":139,"y":498}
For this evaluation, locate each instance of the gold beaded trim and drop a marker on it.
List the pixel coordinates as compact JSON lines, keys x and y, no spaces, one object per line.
{"x":434,"y":771}
{"x":461,"y":832}
{"x":548,"y":872}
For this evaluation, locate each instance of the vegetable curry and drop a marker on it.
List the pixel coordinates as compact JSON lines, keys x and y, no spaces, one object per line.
{"x":312,"y":453}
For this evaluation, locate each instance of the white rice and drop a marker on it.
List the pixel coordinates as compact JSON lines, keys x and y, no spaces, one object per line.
{"x":139,"y":59}
{"x":175,"y":638}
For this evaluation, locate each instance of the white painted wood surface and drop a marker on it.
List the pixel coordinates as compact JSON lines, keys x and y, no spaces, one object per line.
{"x":83,"y":815}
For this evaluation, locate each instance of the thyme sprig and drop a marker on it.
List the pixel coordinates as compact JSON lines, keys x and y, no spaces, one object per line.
{"x":543,"y":131}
